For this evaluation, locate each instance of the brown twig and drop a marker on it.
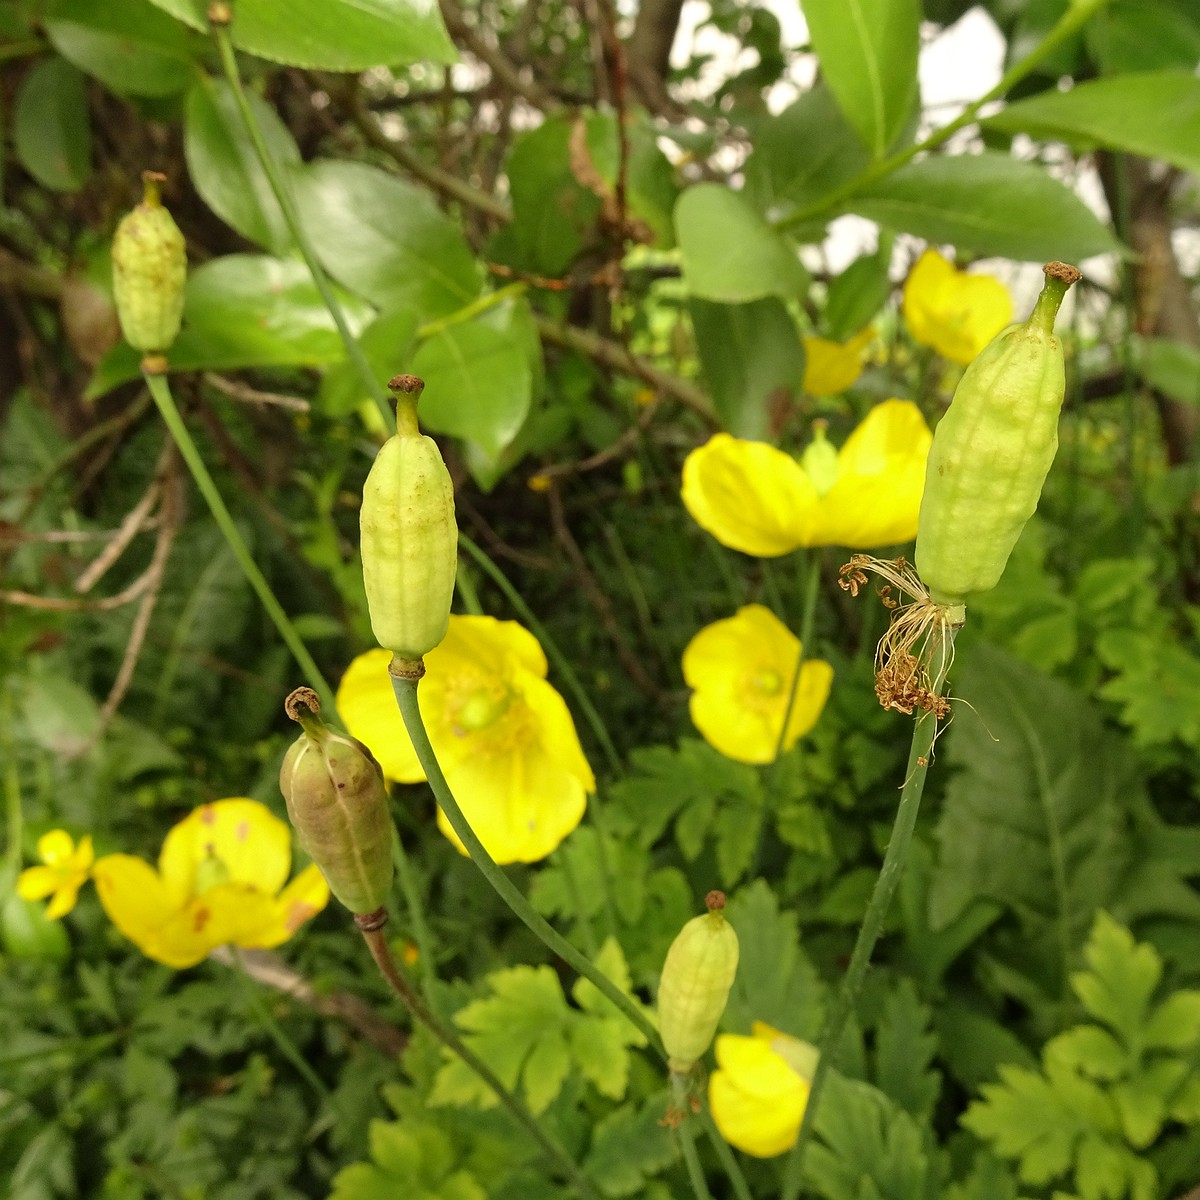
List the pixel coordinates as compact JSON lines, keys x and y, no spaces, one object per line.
{"x":134,"y":522}
{"x":243,"y":393}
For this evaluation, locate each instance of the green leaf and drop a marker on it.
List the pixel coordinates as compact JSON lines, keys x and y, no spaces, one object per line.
{"x":245,"y":310}
{"x":904,"y":1049}
{"x":753,"y":361}
{"x":868,"y":55}
{"x":1034,"y":812}
{"x":991,"y":204}
{"x":225,"y":168}
{"x":868,"y":1147}
{"x":416,"y":1161}
{"x":856,"y":296}
{"x":1121,"y":979}
{"x":477,"y":384}
{"x":1157,"y":685}
{"x":1091,"y":1051}
{"x":52,"y":130}
{"x":331,"y":35}
{"x":777,"y":177}
{"x":628,"y":1146}
{"x":1171,"y":367}
{"x":131,"y":47}
{"x":1142,"y":35}
{"x":387,"y":343}
{"x":729,"y":251}
{"x":385,"y":239}
{"x":599,"y":1045}
{"x":974,"y":1045}
{"x":1174,"y":1024}
{"x":775,"y":980}
{"x":1154,"y":113}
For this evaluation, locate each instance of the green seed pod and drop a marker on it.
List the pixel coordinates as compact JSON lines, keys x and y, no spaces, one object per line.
{"x":408,"y":535}
{"x":991,"y":453}
{"x":149,"y":271}
{"x":337,"y":804}
{"x":695,"y":983}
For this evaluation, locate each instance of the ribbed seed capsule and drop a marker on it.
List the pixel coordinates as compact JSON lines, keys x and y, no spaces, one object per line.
{"x":337,"y":803}
{"x":409,"y":537}
{"x":149,"y":272}
{"x":991,"y":453}
{"x":694,"y":988}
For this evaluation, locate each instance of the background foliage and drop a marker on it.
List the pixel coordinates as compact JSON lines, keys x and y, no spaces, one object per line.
{"x":596,"y":255}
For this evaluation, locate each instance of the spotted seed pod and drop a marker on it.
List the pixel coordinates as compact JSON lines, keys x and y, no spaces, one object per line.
{"x":991,"y":453}
{"x":337,"y":804}
{"x":149,"y":271}
{"x":695,"y":983}
{"x":409,"y":537}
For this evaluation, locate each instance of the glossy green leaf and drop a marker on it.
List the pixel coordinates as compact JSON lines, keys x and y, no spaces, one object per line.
{"x":729,"y":251}
{"x":331,"y":35}
{"x":1143,"y":35}
{"x":1152,"y":113}
{"x":245,"y":310}
{"x":629,"y":1145}
{"x":225,"y":168}
{"x":868,"y":54}
{"x":803,"y":154}
{"x":856,"y":296}
{"x":990,"y":204}
{"x":51,"y":127}
{"x":387,"y":343}
{"x":385,"y":239}
{"x":477,"y":384}
{"x":753,"y":362}
{"x":131,"y":47}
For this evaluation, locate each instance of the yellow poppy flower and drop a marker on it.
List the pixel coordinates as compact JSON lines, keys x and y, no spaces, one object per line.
{"x":760,"y":500}
{"x":66,"y":870}
{"x":218,"y":883}
{"x":832,"y":367}
{"x":955,"y":313}
{"x":740,"y":670}
{"x":502,"y":734}
{"x":759,"y":1090}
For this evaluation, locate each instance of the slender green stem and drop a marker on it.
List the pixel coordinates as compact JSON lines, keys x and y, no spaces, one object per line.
{"x":556,"y":656}
{"x":161,"y":392}
{"x":416,"y":914}
{"x":287,"y":1047}
{"x":480,"y":304}
{"x":585,"y":922}
{"x":287,"y":206}
{"x":812,"y":579}
{"x":1069,"y":24}
{"x":13,"y":817}
{"x":687,"y":1140}
{"x":741,"y":1189}
{"x":406,"y":699}
{"x":445,"y":1033}
{"x":939,"y":649}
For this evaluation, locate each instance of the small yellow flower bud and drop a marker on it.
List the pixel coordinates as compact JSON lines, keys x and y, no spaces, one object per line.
{"x":149,"y":272}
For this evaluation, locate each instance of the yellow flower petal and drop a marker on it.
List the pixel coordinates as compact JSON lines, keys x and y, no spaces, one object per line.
{"x":832,"y":367}
{"x":300,"y":901}
{"x":749,"y":495}
{"x":367,"y":704}
{"x":489,"y":644}
{"x":66,"y":870}
{"x":55,"y":847}
{"x":36,"y":883}
{"x":757,"y":1099}
{"x":740,"y":670}
{"x":881,"y":475}
{"x":955,"y":313}
{"x":249,"y":842}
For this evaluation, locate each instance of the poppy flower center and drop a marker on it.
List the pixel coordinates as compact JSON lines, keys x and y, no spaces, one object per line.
{"x":210,"y":872}
{"x":766,"y":682}
{"x":479,"y":710}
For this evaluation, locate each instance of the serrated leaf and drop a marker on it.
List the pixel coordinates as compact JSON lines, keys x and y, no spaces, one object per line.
{"x":52,"y":128}
{"x":987,"y":203}
{"x":1090,"y":1050}
{"x":1122,"y":978}
{"x":1034,"y":814}
{"x":1152,"y":113}
{"x":628,"y":1146}
{"x":385,"y":239}
{"x":599,"y":1044}
{"x":709,"y":219}
{"x":1174,"y":1024}
{"x":904,"y":1049}
{"x":331,"y":35}
{"x":225,"y":167}
{"x":868,"y":55}
{"x":775,"y":980}
{"x":415,"y":1161}
{"x":1157,"y":685}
